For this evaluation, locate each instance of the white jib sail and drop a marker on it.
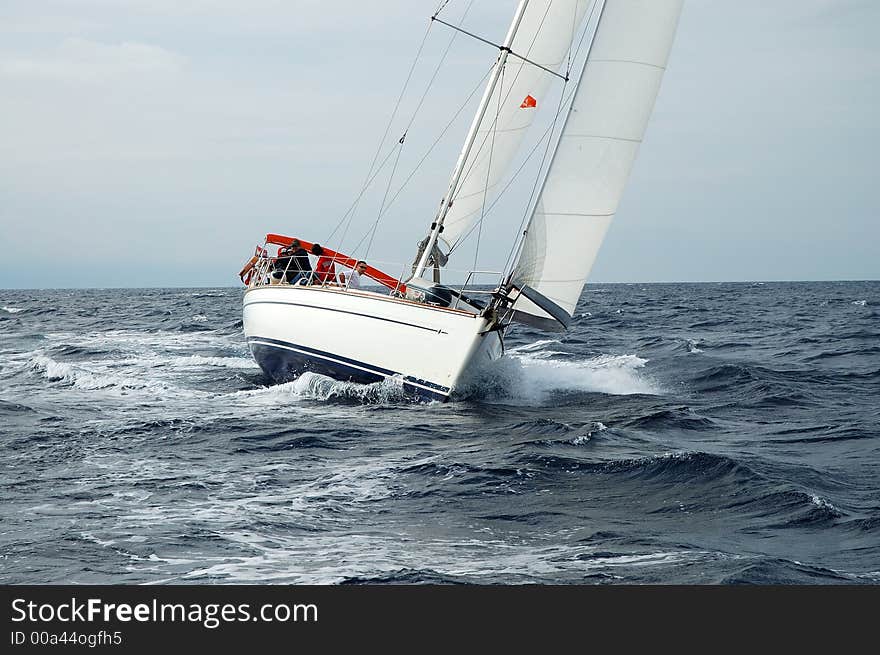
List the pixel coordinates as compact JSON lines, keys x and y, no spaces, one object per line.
{"x":596,"y":149}
{"x":544,"y":36}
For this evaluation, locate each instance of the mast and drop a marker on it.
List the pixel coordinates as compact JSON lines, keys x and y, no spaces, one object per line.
{"x":458,"y":171}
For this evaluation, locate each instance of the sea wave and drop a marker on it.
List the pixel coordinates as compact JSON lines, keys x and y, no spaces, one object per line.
{"x":80,"y":376}
{"x":534,"y":373}
{"x":528,"y":376}
{"x":175,"y":459}
{"x":199,"y":361}
{"x":313,"y":386}
{"x":778,"y":571}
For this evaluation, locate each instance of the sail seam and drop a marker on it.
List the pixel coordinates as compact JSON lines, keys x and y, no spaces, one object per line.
{"x":520,"y":243}
{"x":601,"y":136}
{"x":525,"y":62}
{"x":461,"y":237}
{"x":626,"y":61}
{"x":544,"y":281}
{"x":574,"y":214}
{"x":506,"y":129}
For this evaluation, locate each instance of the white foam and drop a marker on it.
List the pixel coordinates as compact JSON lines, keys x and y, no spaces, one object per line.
{"x":11,"y":310}
{"x":346,"y":484}
{"x":529,"y":376}
{"x":583,"y":439}
{"x":330,"y":559}
{"x":647,"y":559}
{"x":88,"y":536}
{"x":313,"y":386}
{"x":199,"y":361}
{"x":143,"y":356}
{"x":342,"y":546}
{"x":531,"y":347}
{"x":323,"y":388}
{"x":614,"y":374}
{"x":692,"y":346}
{"x":91,"y":378}
{"x":270,"y":393}
{"x":822,"y":503}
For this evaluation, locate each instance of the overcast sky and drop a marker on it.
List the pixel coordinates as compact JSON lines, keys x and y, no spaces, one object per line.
{"x":154,"y":142}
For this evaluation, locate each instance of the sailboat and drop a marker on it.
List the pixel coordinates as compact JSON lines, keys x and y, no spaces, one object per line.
{"x":429,"y":337}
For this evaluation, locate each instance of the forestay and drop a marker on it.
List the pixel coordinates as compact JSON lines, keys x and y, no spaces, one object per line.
{"x":595,"y":152}
{"x":544,"y":36}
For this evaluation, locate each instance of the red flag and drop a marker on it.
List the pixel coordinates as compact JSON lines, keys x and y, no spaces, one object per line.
{"x":528,"y":102}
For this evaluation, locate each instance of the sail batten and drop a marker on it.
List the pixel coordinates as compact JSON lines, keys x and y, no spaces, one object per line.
{"x":596,"y":150}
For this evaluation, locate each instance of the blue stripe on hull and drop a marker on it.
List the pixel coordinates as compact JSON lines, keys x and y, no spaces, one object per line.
{"x":284,"y":361}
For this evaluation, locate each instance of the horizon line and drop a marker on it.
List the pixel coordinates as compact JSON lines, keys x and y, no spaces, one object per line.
{"x":232,"y":286}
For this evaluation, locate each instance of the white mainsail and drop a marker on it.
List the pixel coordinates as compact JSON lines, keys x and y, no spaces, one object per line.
{"x":596,"y":150}
{"x":544,"y":36}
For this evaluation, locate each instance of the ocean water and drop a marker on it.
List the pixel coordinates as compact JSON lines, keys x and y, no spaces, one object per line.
{"x":677,"y":434}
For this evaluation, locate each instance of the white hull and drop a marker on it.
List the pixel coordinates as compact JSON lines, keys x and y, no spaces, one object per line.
{"x":365,"y":337}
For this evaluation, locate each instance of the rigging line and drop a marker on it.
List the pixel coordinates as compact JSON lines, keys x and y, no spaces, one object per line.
{"x":552,"y":129}
{"x":506,"y":186}
{"x":415,"y":111}
{"x":433,"y":145}
{"x":441,"y":8}
{"x":500,"y":47}
{"x":571,"y":40}
{"x":437,"y":69}
{"x":547,"y":132}
{"x":455,"y":116}
{"x":488,"y":174}
{"x":368,"y":179}
{"x":492,"y":129}
{"x":519,"y":239}
{"x":385,"y":197}
{"x":507,"y":96}
{"x":539,"y":141}
{"x":363,"y":191}
{"x":437,"y":140}
{"x":463,"y":237}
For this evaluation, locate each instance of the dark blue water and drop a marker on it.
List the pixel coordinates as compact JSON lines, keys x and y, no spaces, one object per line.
{"x":679,"y":433}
